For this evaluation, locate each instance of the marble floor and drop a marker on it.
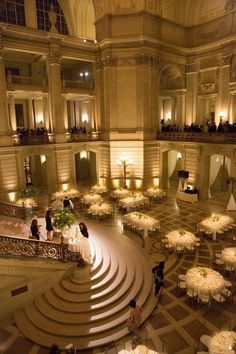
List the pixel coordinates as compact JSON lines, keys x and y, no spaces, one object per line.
{"x":176,"y":325}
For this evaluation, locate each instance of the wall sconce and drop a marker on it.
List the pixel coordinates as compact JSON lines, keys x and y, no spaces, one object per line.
{"x":51,"y":137}
{"x":123,"y":162}
{"x":83,"y":154}
{"x":84,"y":118}
{"x":179,"y":155}
{"x":221,"y":115}
{"x":16,"y":139}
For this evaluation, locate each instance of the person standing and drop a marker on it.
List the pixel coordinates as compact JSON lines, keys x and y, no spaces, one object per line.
{"x":49,"y":226}
{"x":84,"y":243}
{"x":134,"y":320}
{"x":34,"y":228}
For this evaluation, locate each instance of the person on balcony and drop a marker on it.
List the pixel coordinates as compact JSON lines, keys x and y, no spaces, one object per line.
{"x":49,"y":226}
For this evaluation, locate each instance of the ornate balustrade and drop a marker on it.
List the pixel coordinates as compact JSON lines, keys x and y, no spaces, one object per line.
{"x":16,"y":247}
{"x":76,"y":137}
{"x":14,"y":210}
{"x":79,"y":84}
{"x":214,"y":138}
{"x":26,"y":80}
{"x":33,"y":139}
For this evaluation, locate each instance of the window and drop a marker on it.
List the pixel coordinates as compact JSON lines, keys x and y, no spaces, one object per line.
{"x":12,"y":11}
{"x":42,"y":8}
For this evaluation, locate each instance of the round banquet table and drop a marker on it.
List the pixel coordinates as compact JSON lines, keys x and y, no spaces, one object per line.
{"x":99,"y":189}
{"x":120,"y":193}
{"x":100,"y":208}
{"x":91,"y":198}
{"x":140,"y":349}
{"x":228,"y":255}
{"x":181,"y":238}
{"x":222,"y":343}
{"x":154,"y":192}
{"x":204,"y":280}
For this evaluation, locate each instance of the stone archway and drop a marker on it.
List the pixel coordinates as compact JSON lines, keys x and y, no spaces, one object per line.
{"x":169,"y":171}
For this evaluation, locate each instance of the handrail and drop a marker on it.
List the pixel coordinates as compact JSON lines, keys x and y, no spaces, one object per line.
{"x":17,"y":247}
{"x":77,"y":84}
{"x":25,"y":80}
{"x":218,"y":138}
{"x":14,"y":210}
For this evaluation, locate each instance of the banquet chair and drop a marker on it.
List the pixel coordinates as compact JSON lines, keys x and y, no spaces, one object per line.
{"x":219,"y":298}
{"x":228,"y":283}
{"x":204,"y":299}
{"x":190,"y":293}
{"x":228,"y":294}
{"x":181,"y":285}
{"x":205,"y":340}
{"x":228,"y":267}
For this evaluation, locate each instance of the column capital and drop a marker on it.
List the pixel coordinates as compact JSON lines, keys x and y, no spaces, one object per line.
{"x":54,"y":56}
{"x":226,"y":60}
{"x":191,"y":67}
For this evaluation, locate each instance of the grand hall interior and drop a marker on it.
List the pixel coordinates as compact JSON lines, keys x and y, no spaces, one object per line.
{"x":117,"y":176}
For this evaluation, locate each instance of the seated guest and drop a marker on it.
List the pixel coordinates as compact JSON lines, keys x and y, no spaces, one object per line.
{"x":34,"y":228}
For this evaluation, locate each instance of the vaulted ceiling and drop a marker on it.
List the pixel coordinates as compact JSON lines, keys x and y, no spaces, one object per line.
{"x":82,"y":14}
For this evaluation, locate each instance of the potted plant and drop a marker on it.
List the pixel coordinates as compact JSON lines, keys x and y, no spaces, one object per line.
{"x":30,"y":192}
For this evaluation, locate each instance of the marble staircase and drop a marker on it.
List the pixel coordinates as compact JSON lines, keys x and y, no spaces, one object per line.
{"x":89,"y":306}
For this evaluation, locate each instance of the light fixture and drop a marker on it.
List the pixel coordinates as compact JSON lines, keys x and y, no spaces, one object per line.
{"x":179,"y":156}
{"x":81,"y":74}
{"x":86,"y":73}
{"x":83,"y":154}
{"x":124,"y":162}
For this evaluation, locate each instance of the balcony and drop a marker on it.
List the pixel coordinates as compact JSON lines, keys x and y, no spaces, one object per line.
{"x":213,"y":138}
{"x":33,"y":139}
{"x":22,"y":82}
{"x":82,"y":86}
{"x":77,"y":137}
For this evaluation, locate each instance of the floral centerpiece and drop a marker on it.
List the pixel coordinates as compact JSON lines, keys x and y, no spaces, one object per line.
{"x":203,"y":272}
{"x":28,"y":197}
{"x":182,"y":232}
{"x":63,"y":218}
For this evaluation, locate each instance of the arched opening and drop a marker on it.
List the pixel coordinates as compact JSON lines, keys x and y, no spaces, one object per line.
{"x":172,"y":162}
{"x":219,"y":172}
{"x":36,"y":171}
{"x":86,"y":168}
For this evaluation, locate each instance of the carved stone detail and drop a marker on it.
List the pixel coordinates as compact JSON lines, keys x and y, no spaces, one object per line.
{"x":230,"y":5}
{"x":144,"y":59}
{"x":54,"y":56}
{"x":191,"y":67}
{"x":207,"y":87}
{"x":107,"y":61}
{"x":226,"y":60}
{"x":124,"y":4}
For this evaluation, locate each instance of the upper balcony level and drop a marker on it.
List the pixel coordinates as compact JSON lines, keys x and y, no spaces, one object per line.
{"x":201,"y":137}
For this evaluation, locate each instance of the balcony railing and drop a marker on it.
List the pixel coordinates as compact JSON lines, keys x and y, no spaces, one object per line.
{"x":76,"y":137}
{"x":16,"y":247}
{"x":26,"y":80}
{"x":218,"y":138}
{"x":33,"y":139}
{"x":14,"y":210}
{"x":79,"y":84}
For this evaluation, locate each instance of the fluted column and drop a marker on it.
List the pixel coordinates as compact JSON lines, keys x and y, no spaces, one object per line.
{"x":55,"y":91}
{"x":223,"y":90}
{"x":12,"y":111}
{"x":46,"y":114}
{"x":31,"y":114}
{"x":5,"y":130}
{"x":65,"y":114}
{"x":192,"y":91}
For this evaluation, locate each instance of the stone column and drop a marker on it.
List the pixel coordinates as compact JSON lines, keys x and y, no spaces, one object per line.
{"x":180,"y":110}
{"x":5,"y":130}
{"x":31,"y":114}
{"x":54,"y":89}
{"x":12,"y":111}
{"x":223,"y":90}
{"x":46,"y":114}
{"x":66,"y":124}
{"x":192,"y":91}
{"x":232,"y":111}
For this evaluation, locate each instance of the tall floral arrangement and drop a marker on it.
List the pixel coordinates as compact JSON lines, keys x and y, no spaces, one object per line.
{"x":63,"y":218}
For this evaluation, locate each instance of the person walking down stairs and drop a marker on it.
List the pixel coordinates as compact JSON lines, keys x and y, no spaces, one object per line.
{"x":134,"y":320}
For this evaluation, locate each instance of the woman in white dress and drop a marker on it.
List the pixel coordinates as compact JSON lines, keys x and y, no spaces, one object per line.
{"x":82,"y":236}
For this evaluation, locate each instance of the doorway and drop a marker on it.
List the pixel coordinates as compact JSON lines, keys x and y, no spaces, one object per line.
{"x":86,"y":168}
{"x":219,"y":173}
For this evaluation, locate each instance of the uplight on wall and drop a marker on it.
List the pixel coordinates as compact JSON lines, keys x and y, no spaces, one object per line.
{"x":42,"y":159}
{"x":65,"y":187}
{"x":222,"y":115}
{"x":127,"y":183}
{"x":115,"y":183}
{"x":156,"y":181}
{"x":138,"y":183}
{"x":40,"y":119}
{"x":84,"y":117}
{"x":12,"y":197}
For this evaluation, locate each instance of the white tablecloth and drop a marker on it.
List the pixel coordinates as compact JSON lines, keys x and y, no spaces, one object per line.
{"x":133,"y":202}
{"x":99,"y":189}
{"x":228,"y":255}
{"x":187,"y":197}
{"x":140,"y":349}
{"x":204,"y":281}
{"x":141,"y":221}
{"x":222,"y":343}
{"x":215,"y":223}
{"x":91,"y":198}
{"x":72,"y":193}
{"x":79,"y":243}
{"x":181,"y":238}
{"x":120,"y":193}
{"x":154,"y":192}
{"x":100,"y":209}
